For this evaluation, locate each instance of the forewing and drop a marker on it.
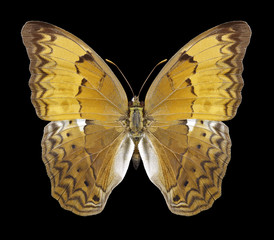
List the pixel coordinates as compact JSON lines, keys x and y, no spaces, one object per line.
{"x":187,"y":162}
{"x":203,"y":79}
{"x":84,"y":162}
{"x":68,"y":79}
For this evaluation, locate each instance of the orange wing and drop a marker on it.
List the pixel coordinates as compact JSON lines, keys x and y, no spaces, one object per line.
{"x":85,"y":159}
{"x":187,"y":162}
{"x":203,"y":79}
{"x":68,"y":79}
{"x":84,"y":162}
{"x":185,"y":149}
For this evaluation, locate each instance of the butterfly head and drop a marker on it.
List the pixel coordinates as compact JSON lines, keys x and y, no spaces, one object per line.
{"x":135,"y":101}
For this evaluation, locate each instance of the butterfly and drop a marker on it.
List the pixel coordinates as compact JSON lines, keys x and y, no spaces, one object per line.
{"x":177,"y":132}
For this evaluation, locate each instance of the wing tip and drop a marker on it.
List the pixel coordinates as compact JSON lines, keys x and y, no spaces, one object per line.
{"x":237,"y":26}
{"x":33,"y":23}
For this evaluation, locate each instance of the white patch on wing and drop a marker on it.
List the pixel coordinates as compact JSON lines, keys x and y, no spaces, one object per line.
{"x":81,"y":124}
{"x":191,"y":124}
{"x":149,"y":157}
{"x":123,"y":156}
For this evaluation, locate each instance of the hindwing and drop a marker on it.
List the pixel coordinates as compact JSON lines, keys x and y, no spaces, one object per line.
{"x":187,"y":162}
{"x":84,"y":162}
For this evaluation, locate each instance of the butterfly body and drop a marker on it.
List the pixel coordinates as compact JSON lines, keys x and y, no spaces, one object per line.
{"x":177,"y":131}
{"x":136,"y":127}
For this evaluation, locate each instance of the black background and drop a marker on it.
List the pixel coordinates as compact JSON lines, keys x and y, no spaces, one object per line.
{"x":136,"y":36}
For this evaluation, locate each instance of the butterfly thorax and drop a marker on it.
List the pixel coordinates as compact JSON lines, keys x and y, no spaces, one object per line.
{"x":136,"y":119}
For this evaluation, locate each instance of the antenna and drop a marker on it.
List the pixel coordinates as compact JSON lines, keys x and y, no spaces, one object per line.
{"x":150,"y":74}
{"x":122,"y":75}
